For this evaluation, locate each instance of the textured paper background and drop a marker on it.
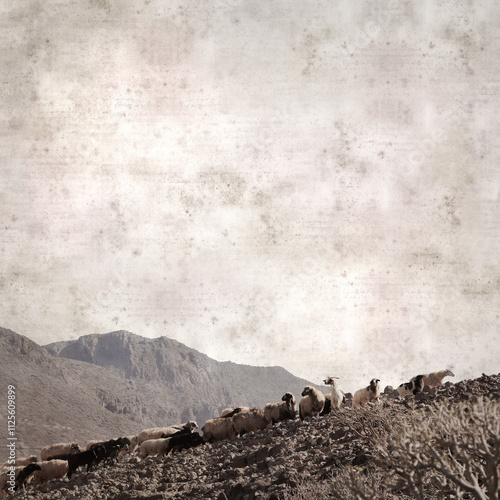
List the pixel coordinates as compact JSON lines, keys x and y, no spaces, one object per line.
{"x":305,"y":184}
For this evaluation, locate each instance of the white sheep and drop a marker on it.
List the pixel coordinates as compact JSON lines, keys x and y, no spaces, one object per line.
{"x":157,"y":432}
{"x":52,"y":469}
{"x":367,"y":394}
{"x":153,"y":447}
{"x":336,"y":396}
{"x":21,"y":462}
{"x":413,"y":387}
{"x":312,"y":402}
{"x":251,"y":421}
{"x":58,"y":449}
{"x":285,"y":410}
{"x":435,"y":379}
{"x":239,"y":409}
{"x":218,"y":429}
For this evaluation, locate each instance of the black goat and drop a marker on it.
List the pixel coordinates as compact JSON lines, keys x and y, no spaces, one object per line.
{"x":111,"y":449}
{"x":24,"y":474}
{"x":89,"y":458}
{"x":183,"y":442}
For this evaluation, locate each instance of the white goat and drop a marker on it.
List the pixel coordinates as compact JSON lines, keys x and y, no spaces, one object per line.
{"x":337,"y":397}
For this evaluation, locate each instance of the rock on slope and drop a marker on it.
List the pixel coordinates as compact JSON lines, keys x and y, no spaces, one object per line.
{"x":264,"y":464}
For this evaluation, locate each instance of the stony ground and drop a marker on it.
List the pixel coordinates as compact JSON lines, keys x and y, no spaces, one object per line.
{"x":267,"y":464}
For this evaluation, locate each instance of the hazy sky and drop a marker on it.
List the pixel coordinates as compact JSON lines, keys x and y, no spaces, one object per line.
{"x":305,"y":184}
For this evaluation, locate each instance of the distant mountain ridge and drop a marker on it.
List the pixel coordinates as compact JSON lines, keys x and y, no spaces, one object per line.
{"x":182,"y":370}
{"x":105,"y":385}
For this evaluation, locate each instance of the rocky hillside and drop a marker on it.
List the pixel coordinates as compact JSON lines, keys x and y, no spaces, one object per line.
{"x":61,"y":400}
{"x":101,"y":386}
{"x":293,"y":459}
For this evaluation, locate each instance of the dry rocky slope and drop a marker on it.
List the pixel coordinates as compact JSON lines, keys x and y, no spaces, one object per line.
{"x":265,"y":464}
{"x":104,"y":386}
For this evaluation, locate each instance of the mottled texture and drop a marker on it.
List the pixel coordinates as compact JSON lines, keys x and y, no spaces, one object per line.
{"x":267,"y":182}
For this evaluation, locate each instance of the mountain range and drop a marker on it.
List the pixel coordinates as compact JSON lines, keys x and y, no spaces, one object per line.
{"x":105,"y":385}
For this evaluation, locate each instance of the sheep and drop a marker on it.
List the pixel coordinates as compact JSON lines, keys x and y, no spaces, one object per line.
{"x":51,"y":469}
{"x":87,"y":457}
{"x":14,"y":477}
{"x":63,"y":456}
{"x":183,"y":442}
{"x":21,"y":462}
{"x":58,"y":449}
{"x":312,"y":402}
{"x":328,"y":406}
{"x":156,"y":432}
{"x":336,"y":397}
{"x":178,"y":433}
{"x":229,"y":412}
{"x":153,"y":447}
{"x":435,"y":379}
{"x":286,"y":410}
{"x":251,"y":421}
{"x":367,"y":394}
{"x":24,"y":474}
{"x":412,"y":387}
{"x":218,"y":429}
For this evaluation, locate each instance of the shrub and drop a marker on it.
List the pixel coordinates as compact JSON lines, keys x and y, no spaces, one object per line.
{"x":444,"y":450}
{"x":438,"y":452}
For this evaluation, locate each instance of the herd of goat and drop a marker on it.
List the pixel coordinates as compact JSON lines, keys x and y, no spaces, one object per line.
{"x":63,"y":459}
